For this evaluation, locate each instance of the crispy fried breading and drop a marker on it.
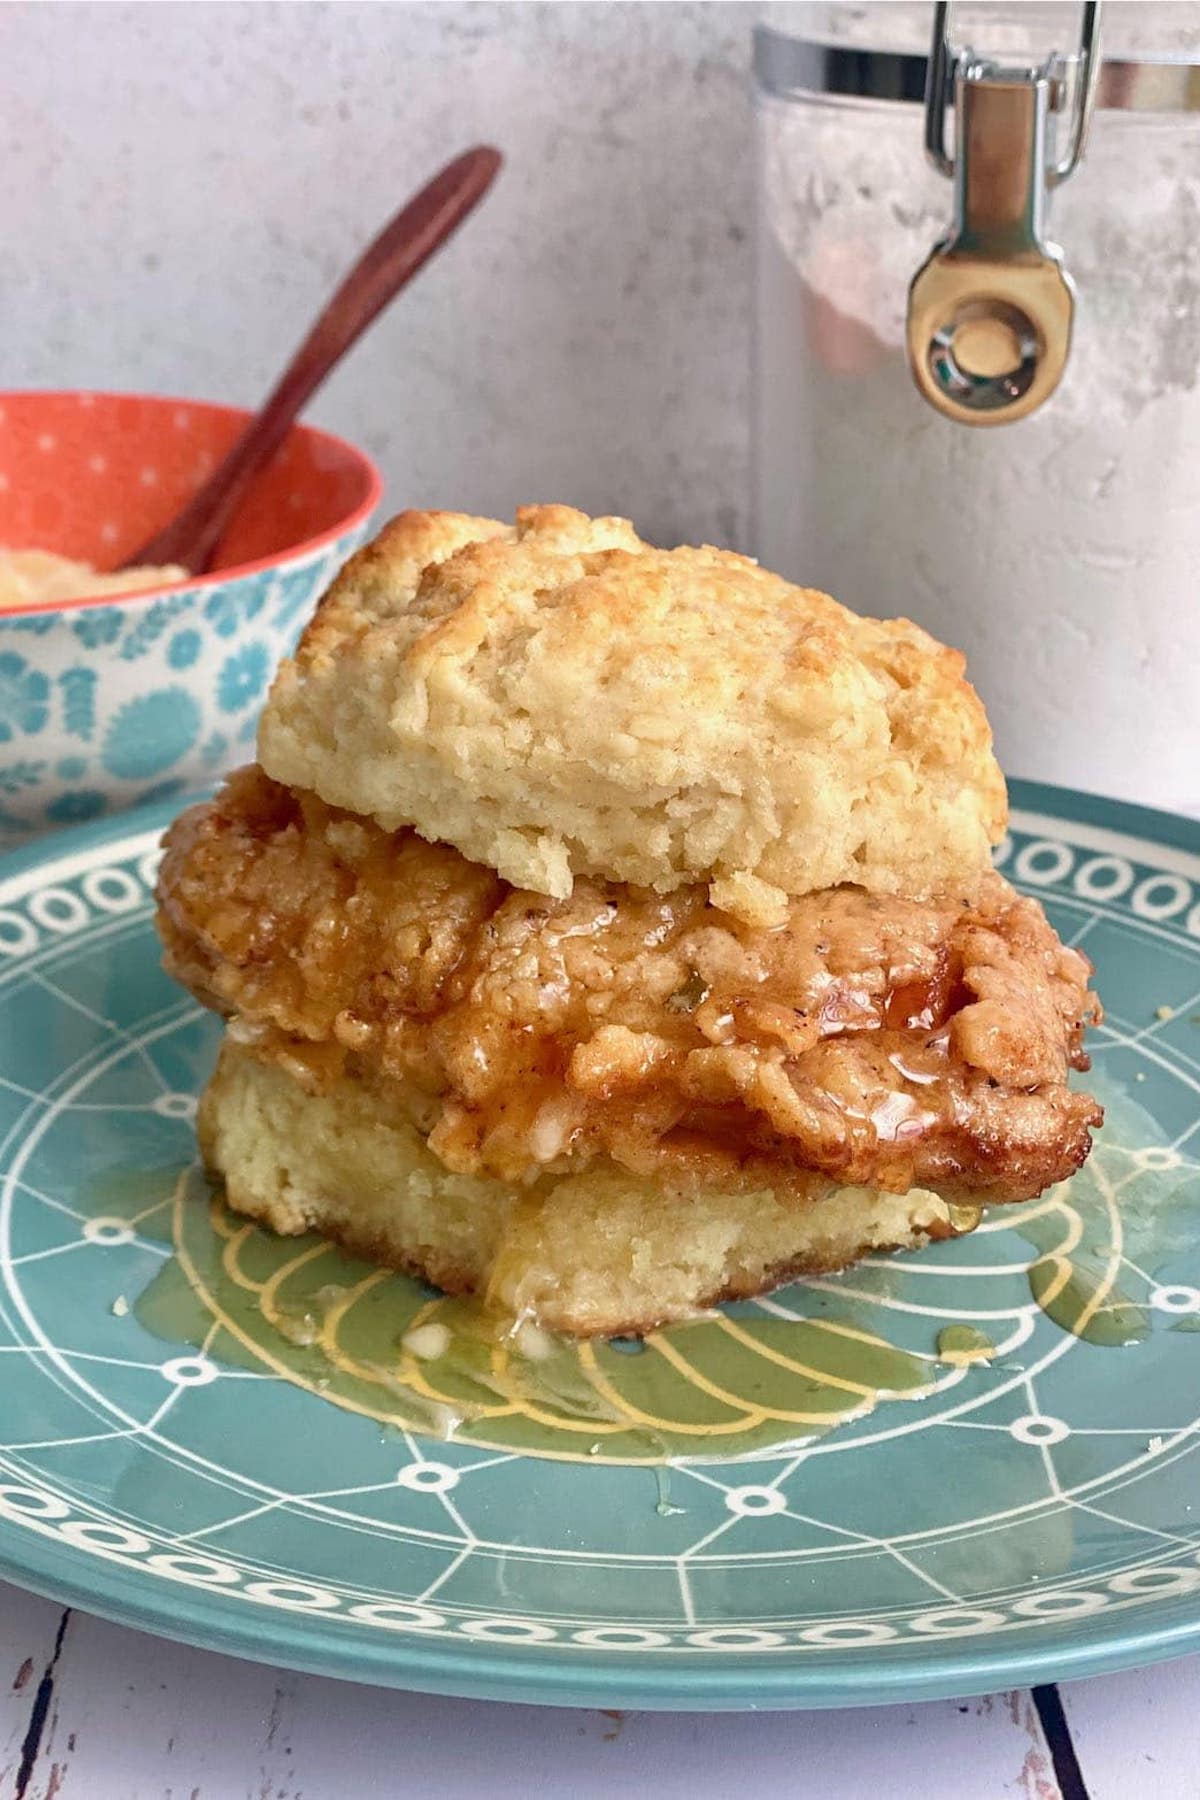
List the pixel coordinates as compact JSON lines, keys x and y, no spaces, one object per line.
{"x":871,"y":1040}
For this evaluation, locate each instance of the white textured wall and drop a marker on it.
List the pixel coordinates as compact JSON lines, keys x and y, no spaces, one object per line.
{"x":180,"y":185}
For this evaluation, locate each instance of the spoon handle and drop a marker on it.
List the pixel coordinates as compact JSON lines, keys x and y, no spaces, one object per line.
{"x":385,"y":266}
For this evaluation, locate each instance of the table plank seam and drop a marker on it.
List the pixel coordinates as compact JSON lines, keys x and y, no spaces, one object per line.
{"x":39,"y":1712}
{"x":1059,"y":1742}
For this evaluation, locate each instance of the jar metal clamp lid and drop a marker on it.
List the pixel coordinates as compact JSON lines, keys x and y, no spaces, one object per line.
{"x":991,"y":308}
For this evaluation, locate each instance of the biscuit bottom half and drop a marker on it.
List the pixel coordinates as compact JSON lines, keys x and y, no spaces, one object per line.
{"x":600,"y":1252}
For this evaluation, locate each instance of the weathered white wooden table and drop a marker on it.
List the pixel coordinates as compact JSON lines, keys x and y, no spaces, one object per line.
{"x":89,"y":1711}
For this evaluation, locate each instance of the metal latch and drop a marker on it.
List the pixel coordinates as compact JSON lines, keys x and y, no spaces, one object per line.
{"x":990,"y":311}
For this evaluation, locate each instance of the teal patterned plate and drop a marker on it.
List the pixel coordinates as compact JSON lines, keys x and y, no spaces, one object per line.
{"x":939,"y":1474}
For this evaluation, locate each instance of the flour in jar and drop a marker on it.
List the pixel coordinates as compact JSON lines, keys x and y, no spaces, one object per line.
{"x":1061,"y":552}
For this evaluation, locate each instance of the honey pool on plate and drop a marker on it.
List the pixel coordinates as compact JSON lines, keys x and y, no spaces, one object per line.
{"x":756,"y":1376}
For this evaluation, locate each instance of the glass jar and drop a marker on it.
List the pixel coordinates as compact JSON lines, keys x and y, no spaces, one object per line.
{"x":1061,"y":551}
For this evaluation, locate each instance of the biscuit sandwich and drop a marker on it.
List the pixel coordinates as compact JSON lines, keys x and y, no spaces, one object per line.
{"x":607,"y":931}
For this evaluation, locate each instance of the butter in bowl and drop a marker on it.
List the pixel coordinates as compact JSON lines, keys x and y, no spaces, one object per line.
{"x":121,"y":687}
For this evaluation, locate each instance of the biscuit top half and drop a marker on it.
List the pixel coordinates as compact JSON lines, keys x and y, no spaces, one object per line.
{"x":558,"y":698}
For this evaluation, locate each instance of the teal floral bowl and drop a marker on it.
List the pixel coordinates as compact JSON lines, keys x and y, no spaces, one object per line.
{"x":108,"y":702}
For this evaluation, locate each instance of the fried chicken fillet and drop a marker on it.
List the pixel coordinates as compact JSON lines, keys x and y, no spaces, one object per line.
{"x":615,"y":1107}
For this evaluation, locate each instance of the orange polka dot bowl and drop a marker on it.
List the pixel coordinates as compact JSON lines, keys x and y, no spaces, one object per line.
{"x":110,"y":700}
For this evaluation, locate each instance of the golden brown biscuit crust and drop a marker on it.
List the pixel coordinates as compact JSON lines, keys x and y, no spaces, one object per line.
{"x":560,"y":699}
{"x":381,"y":578}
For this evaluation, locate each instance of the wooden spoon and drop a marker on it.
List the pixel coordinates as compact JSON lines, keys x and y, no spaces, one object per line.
{"x":386,"y":266}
